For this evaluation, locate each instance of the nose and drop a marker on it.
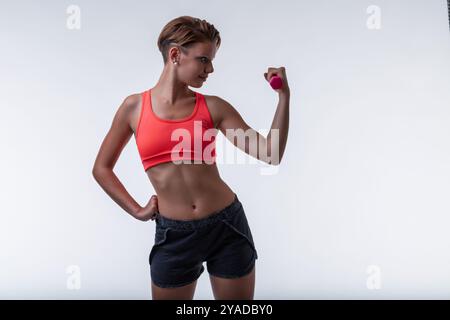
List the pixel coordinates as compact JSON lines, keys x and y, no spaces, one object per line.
{"x":210,"y":69}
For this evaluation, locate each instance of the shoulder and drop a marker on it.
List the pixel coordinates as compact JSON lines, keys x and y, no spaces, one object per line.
{"x":129,"y":110}
{"x":131,"y":103}
{"x":215,"y":101}
{"x":218,"y":107}
{"x":221,"y":110}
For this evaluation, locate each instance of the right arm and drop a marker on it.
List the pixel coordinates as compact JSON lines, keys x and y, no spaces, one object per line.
{"x":117,"y":137}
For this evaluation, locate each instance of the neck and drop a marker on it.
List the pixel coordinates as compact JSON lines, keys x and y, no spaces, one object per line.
{"x":169,"y":89}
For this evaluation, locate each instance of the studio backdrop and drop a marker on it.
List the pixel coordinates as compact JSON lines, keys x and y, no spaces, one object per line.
{"x":358,"y":208}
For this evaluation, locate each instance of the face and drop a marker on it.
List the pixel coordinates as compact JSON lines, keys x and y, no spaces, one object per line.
{"x":194,"y":64}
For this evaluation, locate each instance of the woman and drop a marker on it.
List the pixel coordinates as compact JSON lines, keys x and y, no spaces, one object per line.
{"x":198,"y":217}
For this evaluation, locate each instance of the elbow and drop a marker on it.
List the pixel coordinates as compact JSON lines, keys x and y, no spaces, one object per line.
{"x":97,"y":172}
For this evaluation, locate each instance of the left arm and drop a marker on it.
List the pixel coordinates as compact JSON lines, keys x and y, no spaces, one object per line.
{"x":269,"y":149}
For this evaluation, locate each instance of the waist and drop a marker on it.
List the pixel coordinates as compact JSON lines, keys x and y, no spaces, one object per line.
{"x":214,"y":216}
{"x":194,"y":204}
{"x":189,"y":191}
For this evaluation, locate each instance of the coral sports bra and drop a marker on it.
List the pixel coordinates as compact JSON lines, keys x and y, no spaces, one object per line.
{"x":187,"y":140}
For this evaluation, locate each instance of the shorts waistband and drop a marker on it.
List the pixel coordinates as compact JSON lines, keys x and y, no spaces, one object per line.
{"x":198,"y":223}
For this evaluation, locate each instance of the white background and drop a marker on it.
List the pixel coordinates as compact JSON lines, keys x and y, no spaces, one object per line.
{"x":364,"y":180}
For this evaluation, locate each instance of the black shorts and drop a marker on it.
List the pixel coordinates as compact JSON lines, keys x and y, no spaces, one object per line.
{"x":222,"y":239}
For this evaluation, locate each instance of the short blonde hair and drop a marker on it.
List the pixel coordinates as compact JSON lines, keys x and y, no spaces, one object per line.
{"x":184,"y":31}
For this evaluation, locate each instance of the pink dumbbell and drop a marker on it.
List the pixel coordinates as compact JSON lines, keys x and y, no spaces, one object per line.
{"x":276,"y":82}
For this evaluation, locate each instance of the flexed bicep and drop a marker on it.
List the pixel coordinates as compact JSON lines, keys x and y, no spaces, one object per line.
{"x":238,"y":132}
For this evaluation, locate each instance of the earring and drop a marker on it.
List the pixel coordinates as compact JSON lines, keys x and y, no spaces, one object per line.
{"x":175,"y":62}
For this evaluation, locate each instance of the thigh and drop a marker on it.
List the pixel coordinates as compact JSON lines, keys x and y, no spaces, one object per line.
{"x":178,"y":293}
{"x":242,"y":288}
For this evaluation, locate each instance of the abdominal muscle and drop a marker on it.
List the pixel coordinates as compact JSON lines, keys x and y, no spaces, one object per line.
{"x":189,"y":191}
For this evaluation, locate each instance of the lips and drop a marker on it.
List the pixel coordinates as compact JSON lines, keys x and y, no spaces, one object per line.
{"x":204,"y":78}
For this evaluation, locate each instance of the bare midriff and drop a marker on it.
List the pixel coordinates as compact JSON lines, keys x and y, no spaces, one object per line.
{"x":189,"y":191}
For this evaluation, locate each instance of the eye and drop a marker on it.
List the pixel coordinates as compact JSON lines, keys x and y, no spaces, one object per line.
{"x":204,"y":60}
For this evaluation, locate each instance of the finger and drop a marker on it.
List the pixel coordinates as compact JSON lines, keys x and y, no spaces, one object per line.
{"x":272,"y":72}
{"x":269,"y":75}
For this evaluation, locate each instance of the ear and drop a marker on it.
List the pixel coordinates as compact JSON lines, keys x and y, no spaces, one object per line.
{"x":173,"y":53}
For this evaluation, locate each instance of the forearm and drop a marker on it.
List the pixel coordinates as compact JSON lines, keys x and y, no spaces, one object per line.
{"x":109,"y":182}
{"x":280,"y":123}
